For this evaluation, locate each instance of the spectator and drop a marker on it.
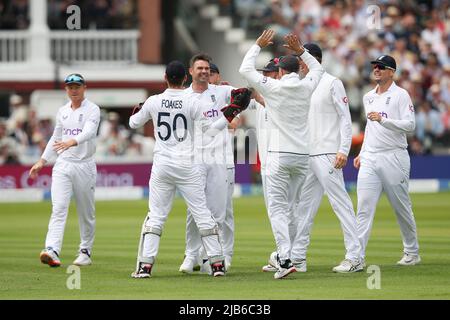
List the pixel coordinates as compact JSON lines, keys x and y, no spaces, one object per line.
{"x":429,"y":125}
{"x":14,"y":14}
{"x":113,"y":137}
{"x":8,"y":151}
{"x":98,"y":14}
{"x":446,"y":124}
{"x":18,"y":112}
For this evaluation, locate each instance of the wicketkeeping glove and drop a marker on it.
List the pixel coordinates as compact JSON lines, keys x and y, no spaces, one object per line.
{"x":137,"y":108}
{"x":240,"y":99}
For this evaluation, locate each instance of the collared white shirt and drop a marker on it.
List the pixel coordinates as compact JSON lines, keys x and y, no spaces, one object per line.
{"x":213,"y":99}
{"x":397,"y":119}
{"x":80,"y":124}
{"x":287,"y":102}
{"x":262,"y":135}
{"x":330,"y":123}
{"x":179,"y":123}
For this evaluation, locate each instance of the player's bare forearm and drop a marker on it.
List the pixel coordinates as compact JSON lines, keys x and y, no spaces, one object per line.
{"x":259,"y":99}
{"x":234,"y":124}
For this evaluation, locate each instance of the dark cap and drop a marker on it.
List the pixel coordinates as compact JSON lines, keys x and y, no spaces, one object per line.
{"x":213,"y":68}
{"x":288,"y":63}
{"x":74,"y":78}
{"x":314,"y":50}
{"x":386,"y":61}
{"x":270,"y":66}
{"x":175,"y":70}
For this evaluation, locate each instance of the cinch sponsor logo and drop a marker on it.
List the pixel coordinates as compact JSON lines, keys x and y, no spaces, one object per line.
{"x":72,"y":132}
{"x":211,"y":113}
{"x":383,"y":114}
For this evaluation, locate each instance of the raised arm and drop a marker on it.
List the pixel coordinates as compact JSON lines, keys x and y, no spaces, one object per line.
{"x":312,"y":79}
{"x":248,"y":67}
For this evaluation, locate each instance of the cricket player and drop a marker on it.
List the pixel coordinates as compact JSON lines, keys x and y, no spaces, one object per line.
{"x":228,"y":224}
{"x":269,"y":70}
{"x":287,"y":105}
{"x":74,"y":173}
{"x":262,"y":135}
{"x":214,"y":74}
{"x":383,"y":162}
{"x":175,"y":115}
{"x":330,"y":128}
{"x":214,"y":165}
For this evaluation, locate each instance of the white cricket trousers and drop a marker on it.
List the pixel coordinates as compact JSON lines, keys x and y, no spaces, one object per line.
{"x":388,"y":171}
{"x":293,"y":224}
{"x":215,"y":189}
{"x":77,"y":179}
{"x":286,"y":174}
{"x":324,"y":178}
{"x":228,"y":225}
{"x":189,"y":180}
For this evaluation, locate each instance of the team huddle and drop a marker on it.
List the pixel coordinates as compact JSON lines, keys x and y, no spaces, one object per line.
{"x":304,"y":136}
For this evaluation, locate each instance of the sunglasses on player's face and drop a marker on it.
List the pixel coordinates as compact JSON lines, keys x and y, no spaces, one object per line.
{"x":380,"y":67}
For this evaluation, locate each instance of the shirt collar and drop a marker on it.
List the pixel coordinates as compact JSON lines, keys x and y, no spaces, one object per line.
{"x":191,"y":90}
{"x":290,"y":76}
{"x":391,"y":88}
{"x":170,"y":90}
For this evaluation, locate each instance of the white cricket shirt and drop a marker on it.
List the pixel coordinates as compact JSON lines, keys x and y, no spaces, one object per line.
{"x":213,"y":99}
{"x":80,"y":124}
{"x":179,"y":123}
{"x":330,"y":124}
{"x":262,"y":123}
{"x":398,"y":119}
{"x":287,"y":102}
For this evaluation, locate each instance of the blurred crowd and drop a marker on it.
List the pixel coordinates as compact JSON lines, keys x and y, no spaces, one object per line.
{"x":95,"y":14}
{"x":353,"y":32}
{"x":14,"y":14}
{"x":350,"y":32}
{"x":23,"y":137}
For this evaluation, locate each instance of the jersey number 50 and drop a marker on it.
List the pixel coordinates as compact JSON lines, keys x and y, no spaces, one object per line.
{"x":173,"y":128}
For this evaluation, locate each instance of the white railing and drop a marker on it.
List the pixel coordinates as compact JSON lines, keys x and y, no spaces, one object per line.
{"x":95,"y":46}
{"x":110,"y":46}
{"x":14,"y":46}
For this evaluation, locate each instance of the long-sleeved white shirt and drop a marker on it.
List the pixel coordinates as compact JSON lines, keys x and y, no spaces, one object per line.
{"x":287,"y":102}
{"x":397,"y":119}
{"x":180,"y":126}
{"x":262,"y":135}
{"x":213,"y":99}
{"x":80,"y":124}
{"x":330,"y":123}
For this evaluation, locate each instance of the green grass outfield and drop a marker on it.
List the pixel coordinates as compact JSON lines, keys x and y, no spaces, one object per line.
{"x":23,"y":228}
